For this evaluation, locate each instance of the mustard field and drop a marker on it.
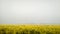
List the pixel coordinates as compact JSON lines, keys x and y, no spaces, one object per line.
{"x":29,"y":29}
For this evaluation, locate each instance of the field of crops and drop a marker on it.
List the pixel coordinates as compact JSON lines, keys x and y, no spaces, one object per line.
{"x":29,"y":29}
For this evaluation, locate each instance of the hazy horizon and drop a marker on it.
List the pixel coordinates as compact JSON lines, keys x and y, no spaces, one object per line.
{"x":29,"y":11}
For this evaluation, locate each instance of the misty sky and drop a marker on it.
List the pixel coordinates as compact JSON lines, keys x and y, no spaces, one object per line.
{"x":29,"y":11}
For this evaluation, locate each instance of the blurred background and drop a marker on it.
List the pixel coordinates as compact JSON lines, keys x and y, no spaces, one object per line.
{"x":29,"y":11}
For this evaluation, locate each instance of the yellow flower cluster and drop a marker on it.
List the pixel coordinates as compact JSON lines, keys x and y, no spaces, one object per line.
{"x":29,"y":29}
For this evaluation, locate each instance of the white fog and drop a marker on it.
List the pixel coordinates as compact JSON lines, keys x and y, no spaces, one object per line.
{"x":29,"y":11}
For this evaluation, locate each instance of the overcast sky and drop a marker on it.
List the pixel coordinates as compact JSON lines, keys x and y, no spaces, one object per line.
{"x":29,"y":11}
